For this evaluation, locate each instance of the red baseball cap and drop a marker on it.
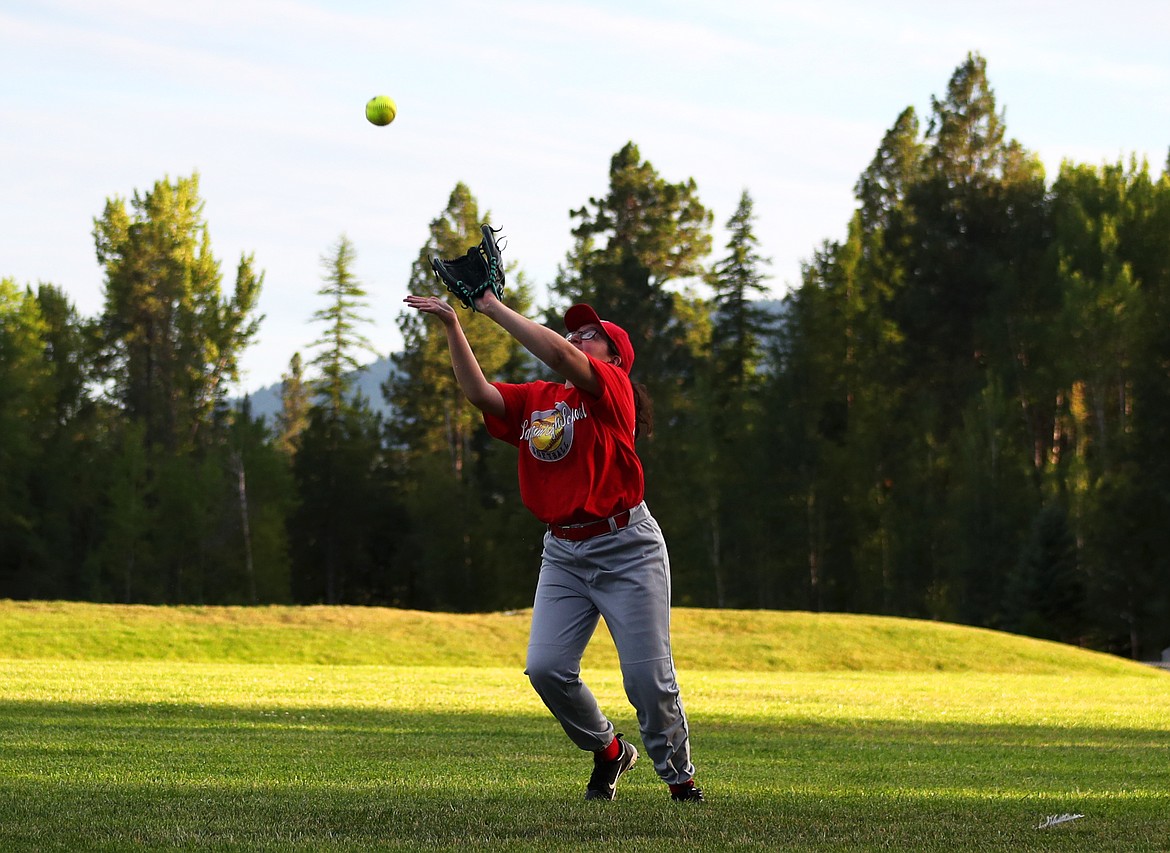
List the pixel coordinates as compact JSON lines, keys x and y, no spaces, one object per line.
{"x":582,"y":315}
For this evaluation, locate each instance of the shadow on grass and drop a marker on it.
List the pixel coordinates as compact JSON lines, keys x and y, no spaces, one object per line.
{"x":114,"y":776}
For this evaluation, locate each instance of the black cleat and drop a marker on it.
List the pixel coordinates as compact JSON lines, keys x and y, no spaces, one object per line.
{"x":689,"y":794}
{"x":603,"y":780}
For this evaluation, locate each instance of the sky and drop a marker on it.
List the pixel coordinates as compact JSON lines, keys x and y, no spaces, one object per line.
{"x":525,"y":101}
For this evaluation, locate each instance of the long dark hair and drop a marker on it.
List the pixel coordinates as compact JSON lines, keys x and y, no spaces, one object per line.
{"x":643,"y":403}
{"x":643,"y":411}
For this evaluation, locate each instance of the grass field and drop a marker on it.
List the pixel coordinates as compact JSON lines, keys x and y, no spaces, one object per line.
{"x":366,"y":729}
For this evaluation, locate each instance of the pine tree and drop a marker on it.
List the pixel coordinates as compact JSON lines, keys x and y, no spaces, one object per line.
{"x":339,"y":466}
{"x":645,"y":233}
{"x":738,"y":283}
{"x":1045,"y":595}
{"x":731,"y":411}
{"x":447,"y":464}
{"x":63,"y":486}
{"x":952,"y":242}
{"x":170,"y":344}
{"x":294,"y":407}
{"x":172,"y":341}
{"x":340,"y":343}
{"x":26,"y":393}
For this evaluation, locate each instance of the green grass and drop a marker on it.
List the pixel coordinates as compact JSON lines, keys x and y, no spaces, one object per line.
{"x":755,"y":641}
{"x":364,"y":729}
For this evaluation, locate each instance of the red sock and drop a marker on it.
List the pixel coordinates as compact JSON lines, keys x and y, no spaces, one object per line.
{"x":676,"y":789}
{"x":611,"y":752}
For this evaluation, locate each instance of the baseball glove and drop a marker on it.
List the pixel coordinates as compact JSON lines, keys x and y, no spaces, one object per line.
{"x":470,"y":276}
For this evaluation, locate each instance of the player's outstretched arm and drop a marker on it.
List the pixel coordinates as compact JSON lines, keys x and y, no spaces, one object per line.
{"x":562,"y":357}
{"x":474,"y":385}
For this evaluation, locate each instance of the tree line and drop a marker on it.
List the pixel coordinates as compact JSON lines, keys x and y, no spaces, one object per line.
{"x":961,"y":412}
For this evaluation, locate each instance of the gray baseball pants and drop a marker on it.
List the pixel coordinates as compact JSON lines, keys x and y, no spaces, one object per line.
{"x":623,"y":576}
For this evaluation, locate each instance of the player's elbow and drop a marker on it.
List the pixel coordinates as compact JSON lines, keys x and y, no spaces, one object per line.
{"x":486,"y":398}
{"x":568,"y":362}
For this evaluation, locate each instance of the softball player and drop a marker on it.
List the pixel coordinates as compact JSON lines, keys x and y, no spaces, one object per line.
{"x":604,"y":554}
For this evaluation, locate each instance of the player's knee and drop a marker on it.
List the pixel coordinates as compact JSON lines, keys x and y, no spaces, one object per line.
{"x":547,"y":669}
{"x":650,"y":684}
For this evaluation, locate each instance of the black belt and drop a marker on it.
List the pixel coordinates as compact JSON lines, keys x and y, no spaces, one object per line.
{"x":581,"y":532}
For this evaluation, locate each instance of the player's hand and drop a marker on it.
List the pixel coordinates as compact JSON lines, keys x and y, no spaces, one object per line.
{"x":483,"y":303}
{"x":433,"y":305}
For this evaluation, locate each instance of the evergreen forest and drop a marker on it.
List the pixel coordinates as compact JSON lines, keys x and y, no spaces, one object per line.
{"x":960,"y":412}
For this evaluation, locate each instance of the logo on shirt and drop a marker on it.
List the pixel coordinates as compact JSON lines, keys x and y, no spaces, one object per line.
{"x":550,"y":433}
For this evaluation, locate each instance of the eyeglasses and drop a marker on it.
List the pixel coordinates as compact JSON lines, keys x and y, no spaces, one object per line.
{"x":578,"y":335}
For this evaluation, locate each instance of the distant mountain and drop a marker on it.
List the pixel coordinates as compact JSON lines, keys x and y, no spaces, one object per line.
{"x":775,"y":308}
{"x":369,"y":379}
{"x":266,"y":401}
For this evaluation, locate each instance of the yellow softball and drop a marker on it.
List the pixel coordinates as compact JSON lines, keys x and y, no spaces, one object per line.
{"x":380,"y":110}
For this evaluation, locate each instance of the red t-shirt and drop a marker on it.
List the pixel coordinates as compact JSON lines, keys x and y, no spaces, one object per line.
{"x":577,"y":461}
